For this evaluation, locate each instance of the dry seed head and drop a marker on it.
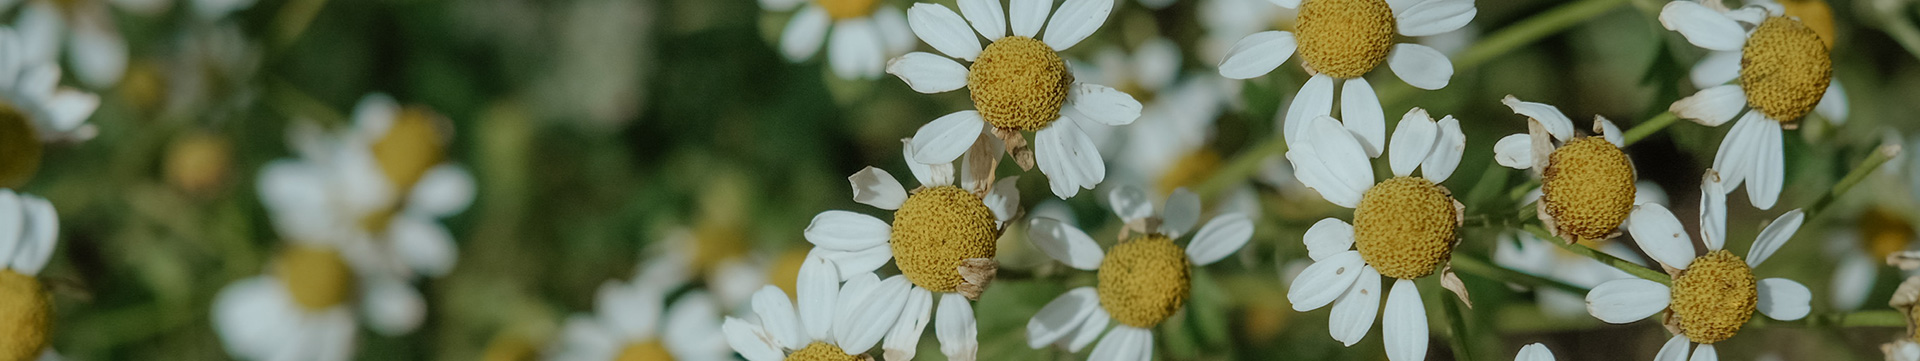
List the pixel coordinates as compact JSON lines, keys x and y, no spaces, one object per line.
{"x":644,"y":351}
{"x":1784,"y":69}
{"x":1144,"y":280}
{"x":847,"y":9}
{"x":1588,"y":188}
{"x":1019,"y":83}
{"x":820,"y":351}
{"x":316,"y":277}
{"x":413,"y":145}
{"x":19,"y":148}
{"x":26,"y":313}
{"x":938,"y":228}
{"x":1714,"y":296}
{"x":1405,"y":226}
{"x":1344,"y":38}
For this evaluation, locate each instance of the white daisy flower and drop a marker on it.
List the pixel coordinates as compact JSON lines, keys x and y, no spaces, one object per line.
{"x":1713,"y":294}
{"x":85,"y":29}
{"x":1860,"y":251}
{"x":1403,"y":228}
{"x":718,"y":257}
{"x":1587,"y":182}
{"x":31,"y":91}
{"x":1904,"y":298}
{"x":1344,"y":40}
{"x":1534,"y":352}
{"x":859,"y":34}
{"x":29,"y":231}
{"x":942,"y":238}
{"x":1143,"y":279}
{"x":833,"y":321}
{"x":1769,"y":67}
{"x":632,"y":321}
{"x":1018,"y":84}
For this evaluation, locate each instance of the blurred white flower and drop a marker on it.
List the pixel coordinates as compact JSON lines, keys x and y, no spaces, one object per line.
{"x":632,"y":321}
{"x":86,"y":29}
{"x":859,"y":35}
{"x":833,"y":321}
{"x":30,"y":85}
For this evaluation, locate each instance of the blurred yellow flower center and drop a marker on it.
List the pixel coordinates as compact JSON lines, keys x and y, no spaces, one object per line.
{"x":1784,"y":69}
{"x":715,"y":244}
{"x":1019,"y":83}
{"x":847,"y":9}
{"x":316,"y":276}
{"x":509,"y":348}
{"x":820,"y":351}
{"x":935,"y":230}
{"x":26,"y":313}
{"x":1816,"y":14}
{"x":1144,"y":280}
{"x":413,"y":145}
{"x":1190,"y":170}
{"x":198,"y":162}
{"x":1714,"y":297}
{"x":1884,"y":233}
{"x":1588,"y":188}
{"x":19,"y":148}
{"x":644,"y":351}
{"x":1344,"y":38}
{"x":1404,"y":227}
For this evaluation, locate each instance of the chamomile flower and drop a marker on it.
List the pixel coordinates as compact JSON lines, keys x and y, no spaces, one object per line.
{"x":833,"y":321}
{"x":1712,"y":294}
{"x":1587,"y":182}
{"x":1342,"y":40}
{"x":1534,"y":352}
{"x":633,"y":321}
{"x":1861,"y":250}
{"x":1768,"y":70}
{"x":1404,"y":228}
{"x":859,"y":34}
{"x":942,"y":238}
{"x":29,"y":231}
{"x":85,"y":29}
{"x":1018,"y":84}
{"x":35,"y":109}
{"x":1143,"y":279}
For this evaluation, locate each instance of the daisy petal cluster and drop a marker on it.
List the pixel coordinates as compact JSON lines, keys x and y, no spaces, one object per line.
{"x":859,"y":35}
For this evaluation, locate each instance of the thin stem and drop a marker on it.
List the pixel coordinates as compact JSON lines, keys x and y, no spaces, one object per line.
{"x":1480,"y":268}
{"x":1647,"y":128}
{"x":1631,"y":268}
{"x":1875,"y":318}
{"x":1859,"y":173}
{"x":1457,"y":322}
{"x":1902,"y":31}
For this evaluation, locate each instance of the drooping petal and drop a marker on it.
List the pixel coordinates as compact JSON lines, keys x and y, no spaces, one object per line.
{"x":872,"y":316}
{"x":1783,"y":299}
{"x":1324,"y":281}
{"x":1404,"y":325}
{"x":1514,"y":151}
{"x":1769,"y":165}
{"x":1004,"y":200}
{"x":751,"y":341}
{"x":1703,"y":27}
{"x":903,"y":341}
{"x":1734,"y":158}
{"x":1713,"y":212}
{"x":1353,"y":314}
{"x":1069,"y":159}
{"x":1774,"y":236}
{"x":1360,"y":112}
{"x":1547,"y":115}
{"x":847,"y":231}
{"x":1220,"y":237}
{"x":1328,"y":237}
{"x":1075,"y":20}
{"x":941,"y":28}
{"x":928,"y":73}
{"x":1257,"y":54}
{"x":1420,"y":66}
{"x":1661,"y":235}
{"x":1062,"y":316}
{"x":856,"y":262}
{"x":1717,"y":68}
{"x":1627,"y":300}
{"x":1314,"y":100}
{"x":1065,"y":243}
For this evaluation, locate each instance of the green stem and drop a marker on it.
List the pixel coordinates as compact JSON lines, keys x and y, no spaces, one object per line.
{"x":1631,"y":268}
{"x":1457,"y":322}
{"x":1859,"y":173}
{"x":1480,"y":268}
{"x":1875,"y":318}
{"x":1902,"y":31}
{"x":1647,"y":128}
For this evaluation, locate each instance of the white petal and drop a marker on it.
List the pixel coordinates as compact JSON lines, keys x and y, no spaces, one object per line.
{"x":1028,"y":15}
{"x":1783,"y":299}
{"x":818,"y":289}
{"x":13,"y":223}
{"x":946,"y":138}
{"x":1328,"y":237}
{"x":1514,"y":151}
{"x":1257,"y":54}
{"x":1610,"y":131}
{"x":1004,"y":200}
{"x":928,"y":73}
{"x":630,"y":309}
{"x":926,"y":174}
{"x":1220,"y":237}
{"x":1713,"y":212}
{"x":904,"y":340}
{"x":1102,"y":104}
{"x":986,"y":16}
{"x":1156,"y":62}
{"x":68,"y":109}
{"x":847,"y":231}
{"x":1627,"y":300}
{"x":1434,"y":17}
{"x":1314,"y":100}
{"x":423,"y":245}
{"x":1404,"y":327}
{"x":1412,"y":142}
{"x":751,"y":341}
{"x":1769,"y":163}
{"x":1711,"y":106}
{"x":856,"y":262}
{"x":1125,"y":343}
{"x":1065,"y":243}
{"x":1130,"y":203}
{"x":1705,"y":352}
{"x":858,"y":331}
{"x":944,"y":30}
{"x":255,"y":316}
{"x":1675,"y":349}
{"x":392,"y":307}
{"x":805,"y":33}
{"x":875,"y":187}
{"x":39,"y":238}
{"x":1180,"y":213}
{"x":1547,"y":115}
{"x":1734,"y":158}
{"x":1717,"y":68}
{"x":1324,"y":281}
{"x":1068,"y":158}
{"x":1089,"y":331}
{"x":1360,"y":112}
{"x":956,"y":329}
{"x":446,"y":189}
{"x":1420,"y":66}
{"x":894,"y":30}
{"x":777,"y":317}
{"x":1833,"y":106}
{"x":1660,"y":235}
{"x":694,"y":320}
{"x":96,"y":50}
{"x":1448,"y":147}
{"x":1534,"y":352}
{"x":1774,"y":236}
{"x":1353,"y":314}
{"x":1062,"y":316}
{"x":1702,"y":26}
{"x":1076,"y":20}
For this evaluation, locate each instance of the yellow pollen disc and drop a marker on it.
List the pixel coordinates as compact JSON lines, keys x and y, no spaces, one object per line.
{"x":198,"y":163}
{"x":1404,"y":227}
{"x":1784,"y":69}
{"x":785,"y":272}
{"x":847,"y":9}
{"x":1019,"y":83}
{"x":1144,"y":280}
{"x":26,"y":313}
{"x":414,"y":144}
{"x":1884,"y":233}
{"x":19,"y":148}
{"x":820,"y":351}
{"x":935,"y":230}
{"x":317,"y":277}
{"x":1714,"y":297}
{"x":1588,"y":188}
{"x":1816,"y":14}
{"x":644,"y":351}
{"x":1344,"y":38}
{"x":1190,"y":170}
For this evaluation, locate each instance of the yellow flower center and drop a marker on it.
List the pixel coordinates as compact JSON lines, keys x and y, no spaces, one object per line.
{"x":820,"y":351}
{"x":19,"y":148}
{"x":1344,"y":38}
{"x":198,"y":163}
{"x":412,"y":146}
{"x":1190,"y":170}
{"x":1144,"y":280}
{"x":1884,"y":233}
{"x":26,"y":313}
{"x":935,"y":230}
{"x":1588,"y":188}
{"x":1784,"y":69}
{"x":1019,"y":83}
{"x":644,"y":351}
{"x":847,"y":9}
{"x":1714,"y":297}
{"x":785,"y":272}
{"x":1816,"y":14}
{"x":1404,"y":227}
{"x":316,"y":276}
